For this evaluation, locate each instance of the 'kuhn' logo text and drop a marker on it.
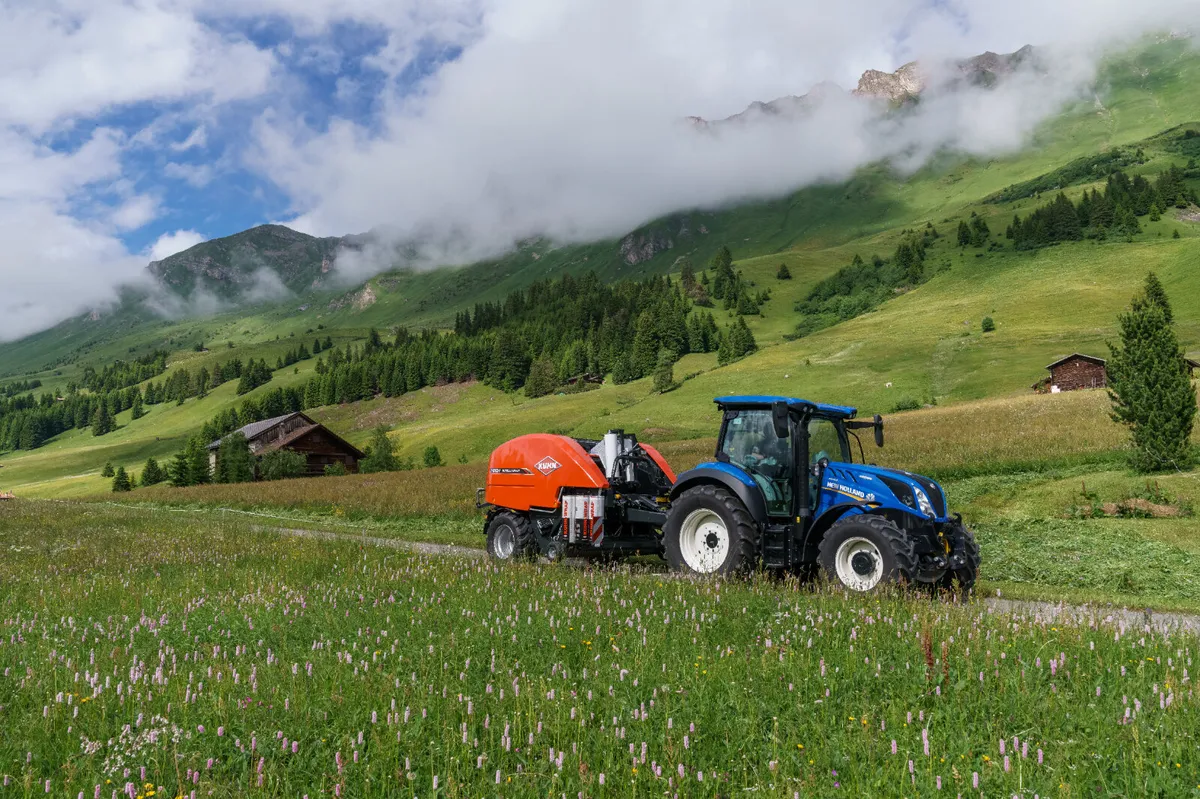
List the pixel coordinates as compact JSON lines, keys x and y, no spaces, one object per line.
{"x":547,"y":465}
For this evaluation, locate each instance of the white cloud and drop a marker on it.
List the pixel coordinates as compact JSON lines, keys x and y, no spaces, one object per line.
{"x":171,"y":243}
{"x":197,"y":175}
{"x":564,"y":118}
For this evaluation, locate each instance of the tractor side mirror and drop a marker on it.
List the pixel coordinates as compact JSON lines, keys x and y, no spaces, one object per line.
{"x":878,"y":430}
{"x":779,"y":419}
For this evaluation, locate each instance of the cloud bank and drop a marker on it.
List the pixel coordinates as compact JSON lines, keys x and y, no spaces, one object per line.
{"x":469,"y":124}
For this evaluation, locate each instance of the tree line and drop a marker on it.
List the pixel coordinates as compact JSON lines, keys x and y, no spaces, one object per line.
{"x":864,"y":285}
{"x":1100,"y":213}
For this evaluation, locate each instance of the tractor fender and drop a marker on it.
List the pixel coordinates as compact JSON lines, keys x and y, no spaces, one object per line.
{"x":730,"y":478}
{"x":827,"y":519}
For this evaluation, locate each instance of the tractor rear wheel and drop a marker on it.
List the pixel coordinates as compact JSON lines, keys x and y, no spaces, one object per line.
{"x":510,"y":537}
{"x":965,"y":577}
{"x":863,"y":552}
{"x":709,"y":531}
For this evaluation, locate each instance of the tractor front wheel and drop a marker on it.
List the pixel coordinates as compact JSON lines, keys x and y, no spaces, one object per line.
{"x":510,"y":537}
{"x":709,"y":531}
{"x":862,"y":552}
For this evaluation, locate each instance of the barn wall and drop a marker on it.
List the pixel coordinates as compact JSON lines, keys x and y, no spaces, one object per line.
{"x":1077,"y":374}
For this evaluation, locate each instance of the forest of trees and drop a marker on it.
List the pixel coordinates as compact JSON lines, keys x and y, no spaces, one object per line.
{"x":553,"y":330}
{"x":1101,"y":213}
{"x":864,"y":285}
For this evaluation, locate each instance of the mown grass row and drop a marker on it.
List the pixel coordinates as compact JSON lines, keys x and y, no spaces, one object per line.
{"x":153,"y":653}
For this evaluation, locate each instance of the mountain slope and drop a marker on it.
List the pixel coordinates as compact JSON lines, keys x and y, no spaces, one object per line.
{"x":925,"y":342}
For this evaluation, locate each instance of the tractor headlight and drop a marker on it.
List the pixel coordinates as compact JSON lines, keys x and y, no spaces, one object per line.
{"x":923,"y":502}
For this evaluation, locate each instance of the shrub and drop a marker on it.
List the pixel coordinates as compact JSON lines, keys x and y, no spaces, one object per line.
{"x":381,"y":455}
{"x":906,"y":404}
{"x":432,"y":457}
{"x":336,"y":470}
{"x":282,"y":464}
{"x":988,"y":324}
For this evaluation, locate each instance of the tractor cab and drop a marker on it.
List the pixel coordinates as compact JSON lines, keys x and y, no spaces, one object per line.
{"x":790,"y":488}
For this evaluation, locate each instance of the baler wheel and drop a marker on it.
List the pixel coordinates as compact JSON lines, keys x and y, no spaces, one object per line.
{"x":510,"y":537}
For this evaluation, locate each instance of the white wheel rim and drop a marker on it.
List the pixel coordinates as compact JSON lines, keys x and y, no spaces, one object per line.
{"x":504,"y":542}
{"x":854,"y":570}
{"x":704,"y":541}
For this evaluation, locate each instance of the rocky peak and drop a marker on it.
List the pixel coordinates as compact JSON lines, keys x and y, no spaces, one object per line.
{"x":895,"y":87}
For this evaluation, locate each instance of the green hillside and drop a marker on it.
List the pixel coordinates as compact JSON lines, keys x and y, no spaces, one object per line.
{"x":923,"y":346}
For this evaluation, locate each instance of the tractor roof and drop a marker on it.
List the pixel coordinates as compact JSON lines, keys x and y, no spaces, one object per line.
{"x":764,"y":401}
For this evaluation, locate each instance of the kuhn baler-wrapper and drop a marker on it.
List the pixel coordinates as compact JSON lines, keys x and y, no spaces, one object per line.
{"x":783,"y":492}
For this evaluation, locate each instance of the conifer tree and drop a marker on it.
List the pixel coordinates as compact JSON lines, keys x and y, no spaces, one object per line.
{"x":1149,"y":385}
{"x":102,"y":422}
{"x":108,"y":470}
{"x":664,"y":372}
{"x":137,"y":410}
{"x":121,"y":481}
{"x":152,"y":473}
{"x":542,"y":378}
{"x":964,"y":234}
{"x":783,"y":273}
{"x":645,"y":345}
{"x":235,"y":463}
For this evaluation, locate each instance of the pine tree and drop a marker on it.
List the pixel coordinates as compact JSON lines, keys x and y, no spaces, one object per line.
{"x":623,"y":371}
{"x":1156,"y":294}
{"x":108,"y":470}
{"x":964,"y":234}
{"x":1149,"y":386}
{"x":102,"y":422}
{"x":121,"y":482}
{"x":645,"y":345}
{"x":664,"y":372}
{"x":542,"y":378}
{"x":179,"y":470}
{"x":381,"y":455}
{"x":152,"y":474}
{"x":783,"y":273}
{"x":137,"y":410}
{"x":235,"y":463}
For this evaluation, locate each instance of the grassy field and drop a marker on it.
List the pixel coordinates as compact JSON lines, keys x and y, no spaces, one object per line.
{"x":154,"y":656}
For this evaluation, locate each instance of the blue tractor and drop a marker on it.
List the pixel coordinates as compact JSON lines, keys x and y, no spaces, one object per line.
{"x":786,"y":492}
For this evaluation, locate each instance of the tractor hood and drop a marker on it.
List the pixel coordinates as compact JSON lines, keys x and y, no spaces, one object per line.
{"x":909,"y":491}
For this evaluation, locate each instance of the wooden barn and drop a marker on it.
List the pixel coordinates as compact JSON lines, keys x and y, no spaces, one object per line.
{"x":299,"y":433}
{"x":1077,"y":371}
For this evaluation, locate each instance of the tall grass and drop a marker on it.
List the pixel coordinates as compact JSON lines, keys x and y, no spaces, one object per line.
{"x":145,"y":654}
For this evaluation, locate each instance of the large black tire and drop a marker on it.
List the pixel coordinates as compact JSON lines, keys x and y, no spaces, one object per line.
{"x":510,"y":536}
{"x":709,"y":531}
{"x":963,"y":579}
{"x":865,"y":552}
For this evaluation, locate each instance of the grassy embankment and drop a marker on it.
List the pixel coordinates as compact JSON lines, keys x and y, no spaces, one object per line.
{"x":177,"y":656}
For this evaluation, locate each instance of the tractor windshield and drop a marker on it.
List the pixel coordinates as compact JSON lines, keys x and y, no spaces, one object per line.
{"x":750,"y":442}
{"x":827,"y":440}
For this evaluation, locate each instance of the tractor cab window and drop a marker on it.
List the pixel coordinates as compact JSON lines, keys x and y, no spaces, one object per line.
{"x":826,"y":440}
{"x":750,"y":442}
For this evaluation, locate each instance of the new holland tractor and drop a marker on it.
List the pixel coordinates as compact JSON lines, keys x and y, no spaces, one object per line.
{"x":784,"y":491}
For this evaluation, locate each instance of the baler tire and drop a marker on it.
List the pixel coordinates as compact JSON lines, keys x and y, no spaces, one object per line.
{"x":872,"y":536}
{"x":524,"y":544}
{"x":964,"y":578}
{"x":742,"y":547}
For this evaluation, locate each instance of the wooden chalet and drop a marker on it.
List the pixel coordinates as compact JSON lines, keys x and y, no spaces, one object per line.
{"x":298,"y":433}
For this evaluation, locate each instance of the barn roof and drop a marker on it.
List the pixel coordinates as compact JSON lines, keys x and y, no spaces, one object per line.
{"x":301,"y":432}
{"x":256,"y":429}
{"x":1077,"y":356}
